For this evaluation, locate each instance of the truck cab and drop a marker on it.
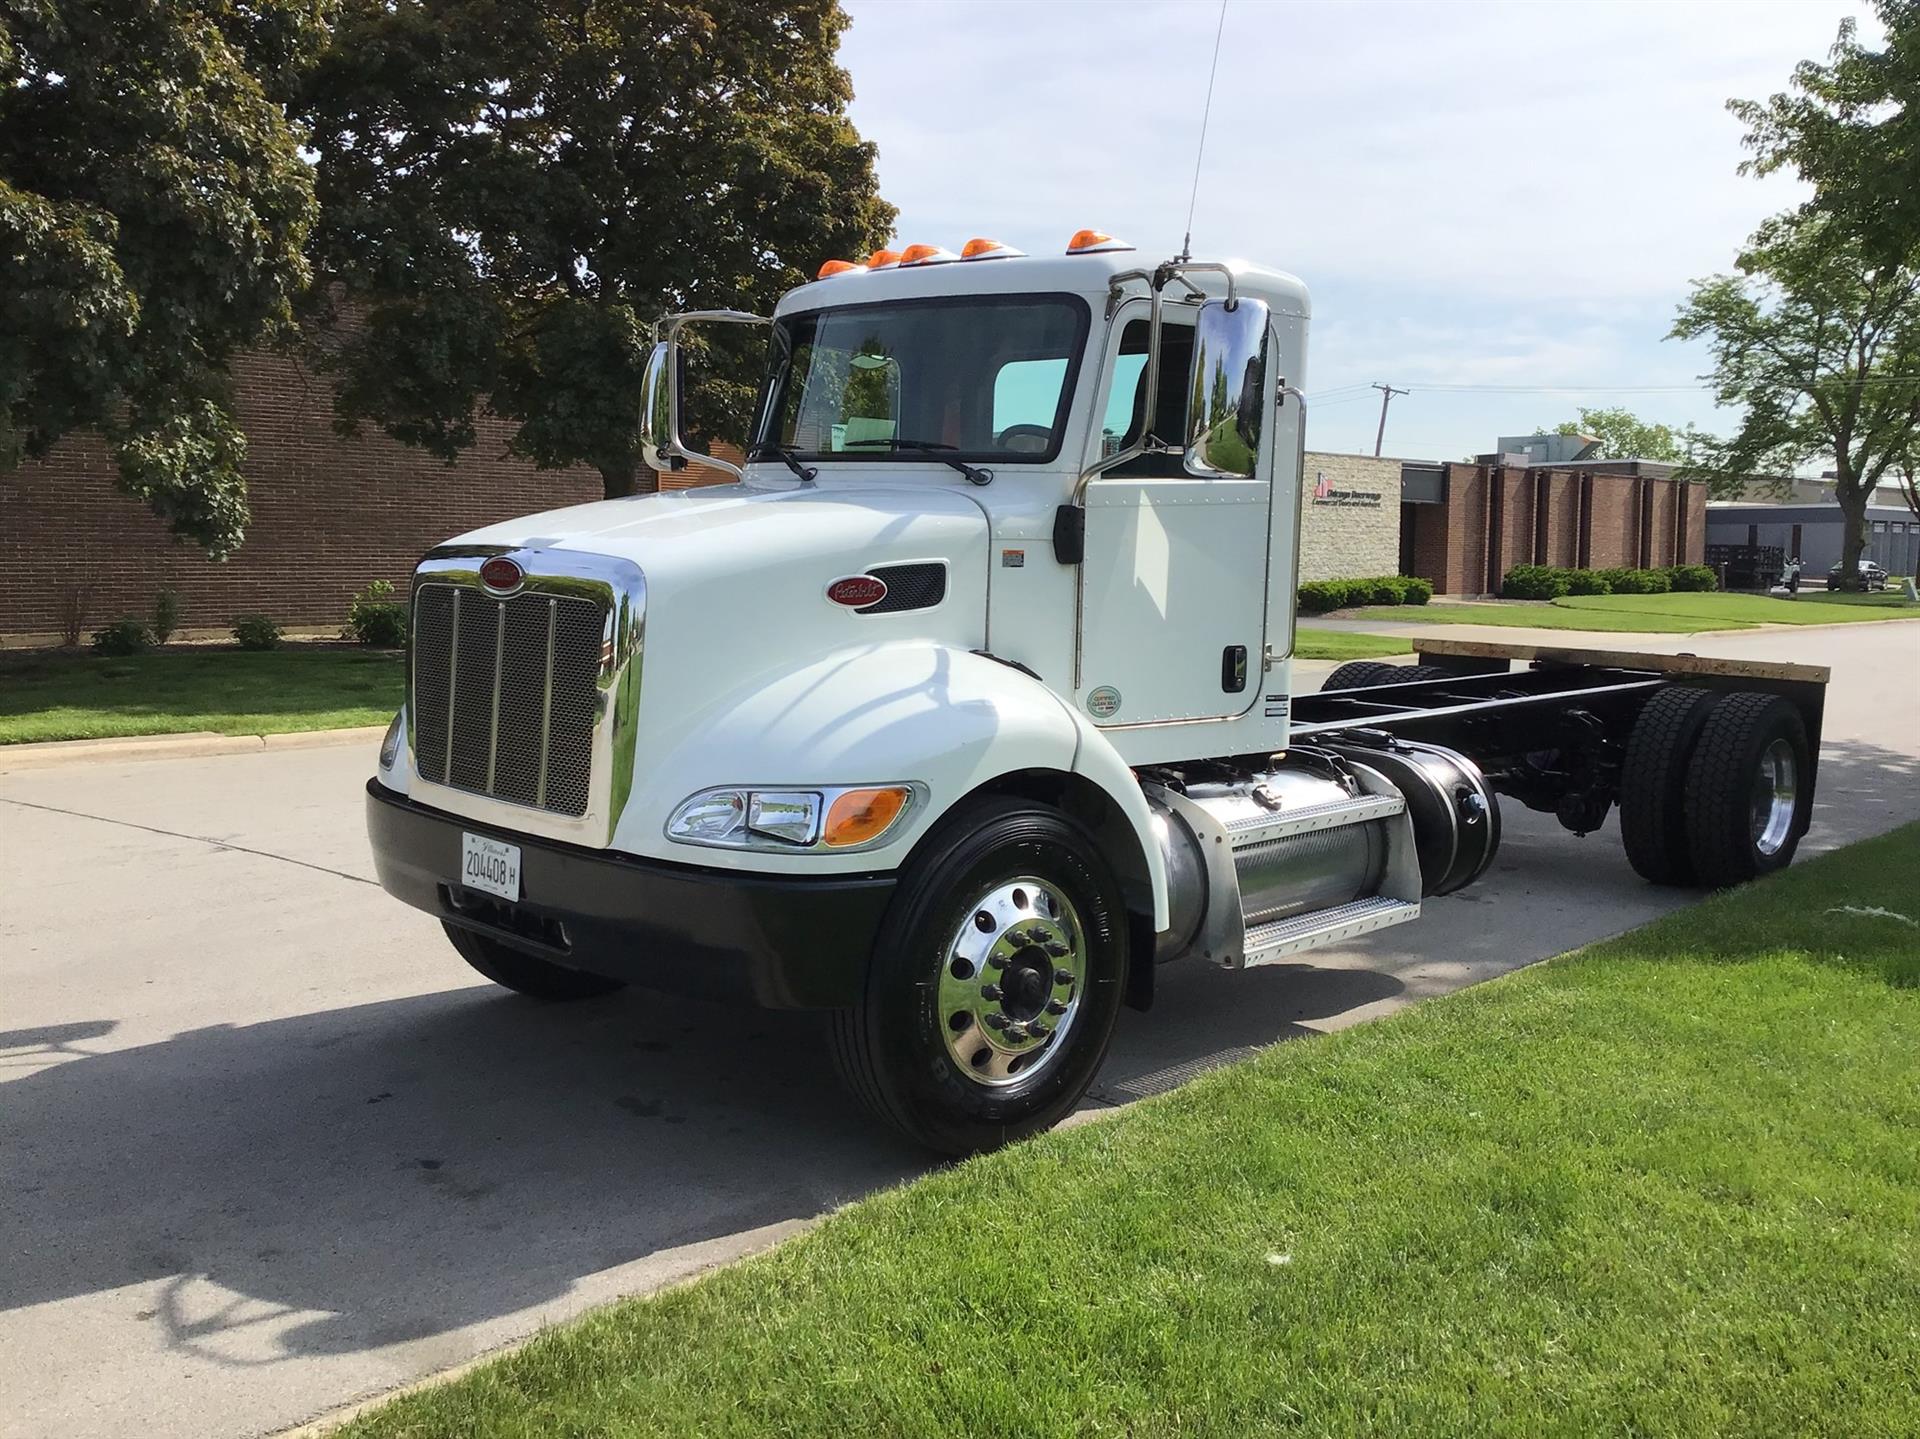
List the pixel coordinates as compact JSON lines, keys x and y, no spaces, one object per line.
{"x":969,"y":701}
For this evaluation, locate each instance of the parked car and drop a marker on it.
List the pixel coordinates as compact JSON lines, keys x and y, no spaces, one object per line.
{"x":1872,"y":577}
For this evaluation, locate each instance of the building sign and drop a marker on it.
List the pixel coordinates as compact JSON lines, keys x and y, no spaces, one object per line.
{"x":1325,"y":494}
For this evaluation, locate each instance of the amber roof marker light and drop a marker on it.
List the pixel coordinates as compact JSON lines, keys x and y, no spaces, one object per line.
{"x":984,"y":249}
{"x":926,"y":255}
{"x":1094,"y":242}
{"x":837,"y":267}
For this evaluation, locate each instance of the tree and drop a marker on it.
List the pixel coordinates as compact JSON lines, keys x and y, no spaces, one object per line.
{"x":1819,"y":343}
{"x":1624,"y":436}
{"x":513,"y":191}
{"x":153,"y":209}
{"x":1852,"y":128}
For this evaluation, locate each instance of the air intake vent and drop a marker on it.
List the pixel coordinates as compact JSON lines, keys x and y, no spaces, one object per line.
{"x":909,"y":587}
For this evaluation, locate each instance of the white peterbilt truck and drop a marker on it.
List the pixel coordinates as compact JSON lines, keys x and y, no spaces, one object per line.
{"x":970,"y":702}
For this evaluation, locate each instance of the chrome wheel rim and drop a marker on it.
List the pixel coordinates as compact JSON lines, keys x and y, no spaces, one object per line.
{"x":1010,"y":982}
{"x":1775,"y":784}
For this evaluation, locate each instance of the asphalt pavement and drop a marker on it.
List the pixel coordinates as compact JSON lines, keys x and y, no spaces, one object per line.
{"x":268,"y":1147}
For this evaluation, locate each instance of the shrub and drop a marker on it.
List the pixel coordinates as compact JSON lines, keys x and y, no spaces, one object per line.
{"x":1414,"y":590}
{"x":1629,"y":581}
{"x":1319,"y":596}
{"x":122,"y":637}
{"x":256,"y":632}
{"x":1534,"y":582}
{"x":74,"y":601}
{"x":166,"y":616}
{"x":1692,"y":577}
{"x":375,"y":619}
{"x":1587,"y":582}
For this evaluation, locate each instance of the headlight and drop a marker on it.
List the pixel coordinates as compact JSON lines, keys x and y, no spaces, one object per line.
{"x":390,"y":746}
{"x":766,"y":819}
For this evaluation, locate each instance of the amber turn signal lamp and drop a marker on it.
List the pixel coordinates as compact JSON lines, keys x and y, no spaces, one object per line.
{"x":862,"y":815}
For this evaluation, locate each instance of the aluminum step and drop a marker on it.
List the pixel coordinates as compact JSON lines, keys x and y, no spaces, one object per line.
{"x":1267,"y":943}
{"x":1258,"y":829}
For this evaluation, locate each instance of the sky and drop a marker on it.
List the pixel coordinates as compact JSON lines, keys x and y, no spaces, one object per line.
{"x":1510,"y":198}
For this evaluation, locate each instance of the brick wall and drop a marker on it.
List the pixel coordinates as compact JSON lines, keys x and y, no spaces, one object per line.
{"x":1535,"y":517}
{"x":329,"y":515}
{"x":1352,"y":528}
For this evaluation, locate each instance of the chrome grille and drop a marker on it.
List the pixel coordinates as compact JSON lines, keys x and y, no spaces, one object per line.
{"x":505,"y":693}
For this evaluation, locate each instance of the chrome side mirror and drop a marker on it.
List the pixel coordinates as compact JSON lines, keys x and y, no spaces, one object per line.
{"x":660,"y":409}
{"x":1226,"y":389}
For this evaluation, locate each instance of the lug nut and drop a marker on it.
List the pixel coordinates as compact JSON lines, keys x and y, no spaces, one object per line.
{"x":1056,"y":1006}
{"x":1016,"y":1031}
{"x":997,"y":1020}
{"x":1063,"y":976}
{"x":996,"y":961}
{"x":1058,"y":949}
{"x":1039,"y":1030}
{"x":989,"y":991}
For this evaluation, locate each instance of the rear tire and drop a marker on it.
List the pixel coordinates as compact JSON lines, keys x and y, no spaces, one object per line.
{"x":1748,"y":790}
{"x":525,"y":973}
{"x":1359,"y":674}
{"x":1002,"y":900}
{"x":1653,"y":784}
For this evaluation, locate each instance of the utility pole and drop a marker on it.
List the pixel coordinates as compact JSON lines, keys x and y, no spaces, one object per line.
{"x":1387,"y":392}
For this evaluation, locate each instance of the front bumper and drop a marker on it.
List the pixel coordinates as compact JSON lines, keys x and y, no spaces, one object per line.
{"x":774,"y":941}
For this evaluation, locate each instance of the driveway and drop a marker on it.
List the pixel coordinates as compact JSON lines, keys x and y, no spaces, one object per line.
{"x":267,"y":1147}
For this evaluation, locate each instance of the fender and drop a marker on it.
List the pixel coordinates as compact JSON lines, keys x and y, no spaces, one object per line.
{"x":952,"y":720}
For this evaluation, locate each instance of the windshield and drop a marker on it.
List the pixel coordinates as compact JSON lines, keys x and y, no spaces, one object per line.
{"x":974,"y":378}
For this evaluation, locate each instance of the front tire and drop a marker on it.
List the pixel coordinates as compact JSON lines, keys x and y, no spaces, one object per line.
{"x":993,"y":988}
{"x":525,"y":973}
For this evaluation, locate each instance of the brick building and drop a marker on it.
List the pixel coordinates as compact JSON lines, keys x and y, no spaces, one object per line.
{"x":1464,"y":526}
{"x":330,"y":513}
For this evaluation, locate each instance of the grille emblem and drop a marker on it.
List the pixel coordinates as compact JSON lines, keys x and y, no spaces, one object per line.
{"x":856,"y":592}
{"x":501,"y":575}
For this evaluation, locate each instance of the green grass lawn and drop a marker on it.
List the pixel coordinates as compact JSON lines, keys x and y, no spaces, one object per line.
{"x":1537,"y":615}
{"x":1814,"y":607}
{"x":301,"y":687}
{"x":1668,"y":1185}
{"x":1312,"y":644}
{"x":1655,"y":614}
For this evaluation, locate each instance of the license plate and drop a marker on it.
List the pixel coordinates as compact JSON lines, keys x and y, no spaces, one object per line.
{"x":490,"y":865}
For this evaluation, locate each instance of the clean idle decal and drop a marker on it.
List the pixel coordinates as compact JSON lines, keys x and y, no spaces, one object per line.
{"x":1103,"y":703}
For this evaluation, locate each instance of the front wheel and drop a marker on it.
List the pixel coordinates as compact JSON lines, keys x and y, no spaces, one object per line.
{"x":994,"y":985}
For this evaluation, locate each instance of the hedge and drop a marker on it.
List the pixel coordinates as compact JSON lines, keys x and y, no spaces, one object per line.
{"x":1549,"y":582}
{"x":1319,"y":596}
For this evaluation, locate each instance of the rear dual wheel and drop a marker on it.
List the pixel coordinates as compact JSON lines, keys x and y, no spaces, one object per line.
{"x":995,"y":983}
{"x":1715,"y":789}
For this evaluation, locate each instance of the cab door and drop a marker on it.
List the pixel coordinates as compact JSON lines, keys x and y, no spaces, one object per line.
{"x":1173,"y":599}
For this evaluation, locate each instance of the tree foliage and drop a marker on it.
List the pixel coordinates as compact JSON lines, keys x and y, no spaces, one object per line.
{"x":1851,"y":126}
{"x":1625,"y":436}
{"x":1818,"y":343}
{"x":153,"y":209}
{"x":514,"y":190}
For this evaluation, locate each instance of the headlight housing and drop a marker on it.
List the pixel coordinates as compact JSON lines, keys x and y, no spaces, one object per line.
{"x":832,"y":820}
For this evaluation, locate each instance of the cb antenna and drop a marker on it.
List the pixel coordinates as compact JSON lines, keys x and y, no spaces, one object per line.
{"x":1186,"y":244}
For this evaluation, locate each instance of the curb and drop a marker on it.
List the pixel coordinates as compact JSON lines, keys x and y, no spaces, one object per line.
{"x":194,"y":744}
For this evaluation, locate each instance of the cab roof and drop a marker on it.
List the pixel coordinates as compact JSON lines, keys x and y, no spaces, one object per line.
{"x":1089,"y":274}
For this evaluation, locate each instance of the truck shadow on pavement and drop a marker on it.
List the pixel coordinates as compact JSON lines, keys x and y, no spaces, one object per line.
{"x":382,"y":1174}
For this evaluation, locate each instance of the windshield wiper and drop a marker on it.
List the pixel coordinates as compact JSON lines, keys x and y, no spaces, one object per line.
{"x":805,"y":472}
{"x":972,"y":472}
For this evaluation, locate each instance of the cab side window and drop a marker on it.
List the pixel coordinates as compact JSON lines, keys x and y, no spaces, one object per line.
{"x":1126,"y":413}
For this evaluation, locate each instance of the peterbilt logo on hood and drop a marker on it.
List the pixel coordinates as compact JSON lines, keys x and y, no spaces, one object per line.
{"x":857,"y":592}
{"x":501,"y":575}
